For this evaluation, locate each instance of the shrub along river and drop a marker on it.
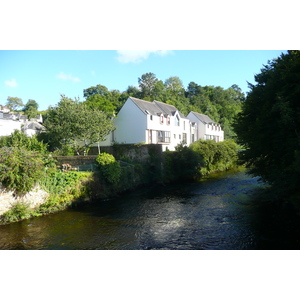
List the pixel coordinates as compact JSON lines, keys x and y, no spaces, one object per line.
{"x":229,"y":210}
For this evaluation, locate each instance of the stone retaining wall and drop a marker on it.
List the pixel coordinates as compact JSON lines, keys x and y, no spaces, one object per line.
{"x":34,"y":198}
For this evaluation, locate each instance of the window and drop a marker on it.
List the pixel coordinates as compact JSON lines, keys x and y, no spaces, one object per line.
{"x":151,"y":117}
{"x":168,"y":121}
{"x":161,"y":119}
{"x":163,"y":136}
{"x":177,"y":121}
{"x":183,"y":125}
{"x":184,"y":138}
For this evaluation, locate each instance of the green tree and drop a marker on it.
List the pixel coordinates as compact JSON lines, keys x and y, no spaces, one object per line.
{"x":74,"y":123}
{"x":269,"y":123}
{"x":147,"y":84}
{"x":95,"y":90}
{"x":99,"y":102}
{"x":31,"y":103}
{"x":31,"y":108}
{"x":175,"y":86}
{"x":13,"y":103}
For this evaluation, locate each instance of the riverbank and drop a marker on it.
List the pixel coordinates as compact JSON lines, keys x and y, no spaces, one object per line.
{"x":137,"y":165}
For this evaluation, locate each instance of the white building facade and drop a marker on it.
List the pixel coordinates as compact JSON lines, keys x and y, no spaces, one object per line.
{"x":141,"y":121}
{"x":9,"y":122}
{"x":207,"y":129}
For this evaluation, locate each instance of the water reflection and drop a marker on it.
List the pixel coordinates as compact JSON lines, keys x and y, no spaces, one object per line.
{"x":220,"y":212}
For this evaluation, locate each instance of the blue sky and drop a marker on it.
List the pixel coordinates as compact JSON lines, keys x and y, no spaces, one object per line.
{"x":44,"y":75}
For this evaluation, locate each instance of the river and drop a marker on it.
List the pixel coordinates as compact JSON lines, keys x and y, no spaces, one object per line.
{"x":221,"y":212}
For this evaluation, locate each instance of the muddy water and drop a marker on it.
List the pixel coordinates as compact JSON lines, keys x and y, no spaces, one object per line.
{"x":219,"y":212}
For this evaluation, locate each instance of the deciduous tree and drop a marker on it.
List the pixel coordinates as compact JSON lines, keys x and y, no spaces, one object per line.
{"x":14,"y":102}
{"x":74,"y":123}
{"x":269,"y":123}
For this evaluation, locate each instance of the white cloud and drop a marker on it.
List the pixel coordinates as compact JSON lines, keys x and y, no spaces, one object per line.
{"x":11,"y":83}
{"x":137,"y":56}
{"x":64,"y":76}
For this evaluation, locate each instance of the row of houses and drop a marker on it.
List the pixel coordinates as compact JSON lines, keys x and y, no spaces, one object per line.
{"x":9,"y":122}
{"x":138,"y":121}
{"x":141,"y":121}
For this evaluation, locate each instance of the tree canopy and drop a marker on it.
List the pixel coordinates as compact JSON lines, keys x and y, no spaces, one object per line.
{"x":269,"y":124}
{"x":31,"y":108}
{"x":75,"y":124}
{"x":13,"y":103}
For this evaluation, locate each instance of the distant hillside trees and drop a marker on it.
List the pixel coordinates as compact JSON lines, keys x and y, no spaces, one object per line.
{"x":221,"y":105}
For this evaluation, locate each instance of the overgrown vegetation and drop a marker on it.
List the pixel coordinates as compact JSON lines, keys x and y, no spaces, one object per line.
{"x":19,"y":211}
{"x":20,"y":169}
{"x":64,"y":188}
{"x":25,"y":163}
{"x":181,"y":164}
{"x":216,"y":157}
{"x":109,"y":168}
{"x":199,"y":159}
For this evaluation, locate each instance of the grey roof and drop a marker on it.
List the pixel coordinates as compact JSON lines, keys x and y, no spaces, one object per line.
{"x":146,"y":106}
{"x":35,"y":126}
{"x":156,"y":107}
{"x":203,"y":118}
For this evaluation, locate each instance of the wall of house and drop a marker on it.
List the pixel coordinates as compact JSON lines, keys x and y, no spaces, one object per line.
{"x":176,"y":132}
{"x":215,"y":131}
{"x":200,"y":125}
{"x":130,"y":125}
{"x":206,"y":129}
{"x":7,"y":127}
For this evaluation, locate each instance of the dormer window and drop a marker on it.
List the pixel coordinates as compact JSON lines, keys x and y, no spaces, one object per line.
{"x":177,"y":121}
{"x":161,"y":119}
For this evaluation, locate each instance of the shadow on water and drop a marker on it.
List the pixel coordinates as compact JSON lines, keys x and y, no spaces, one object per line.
{"x":225,"y":211}
{"x":277,"y":224}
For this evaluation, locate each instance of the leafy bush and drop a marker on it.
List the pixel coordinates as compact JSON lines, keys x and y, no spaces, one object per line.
{"x":56,"y":182}
{"x":181,"y":164}
{"x":63,"y":188}
{"x":20,"y":169}
{"x":216,"y":156}
{"x":109,"y":167}
{"x":18,"y":212}
{"x":19,"y":139}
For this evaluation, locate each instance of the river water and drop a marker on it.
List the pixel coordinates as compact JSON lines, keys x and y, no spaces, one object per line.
{"x":220,"y":212}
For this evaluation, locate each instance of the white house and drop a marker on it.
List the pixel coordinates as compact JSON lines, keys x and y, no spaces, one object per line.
{"x":141,"y":121}
{"x":31,"y":128}
{"x":207,"y":129}
{"x":9,"y":122}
